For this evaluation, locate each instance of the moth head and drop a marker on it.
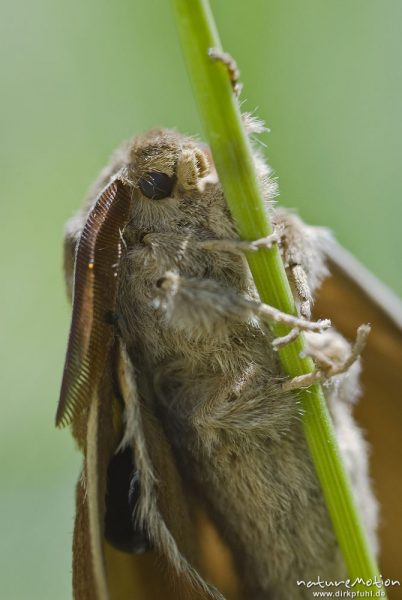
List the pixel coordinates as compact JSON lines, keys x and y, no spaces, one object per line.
{"x":163,"y":164}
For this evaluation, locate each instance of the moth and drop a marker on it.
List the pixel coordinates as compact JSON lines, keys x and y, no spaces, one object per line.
{"x":195,"y":462}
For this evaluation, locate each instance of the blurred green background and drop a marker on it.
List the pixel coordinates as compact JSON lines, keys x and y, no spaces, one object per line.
{"x":77,"y":79}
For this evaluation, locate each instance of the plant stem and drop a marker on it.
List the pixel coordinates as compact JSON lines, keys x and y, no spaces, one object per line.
{"x":232,"y":155}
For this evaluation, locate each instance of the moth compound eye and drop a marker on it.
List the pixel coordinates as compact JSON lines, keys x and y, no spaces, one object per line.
{"x":155,"y":185}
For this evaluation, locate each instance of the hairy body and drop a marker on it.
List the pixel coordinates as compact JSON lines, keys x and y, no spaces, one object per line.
{"x":205,"y":366}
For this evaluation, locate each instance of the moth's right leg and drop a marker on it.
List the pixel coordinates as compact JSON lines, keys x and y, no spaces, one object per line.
{"x":329,"y":365}
{"x":301,"y":253}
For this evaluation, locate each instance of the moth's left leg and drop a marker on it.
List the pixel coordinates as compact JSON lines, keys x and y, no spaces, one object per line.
{"x":206,"y":307}
{"x":239,"y":246}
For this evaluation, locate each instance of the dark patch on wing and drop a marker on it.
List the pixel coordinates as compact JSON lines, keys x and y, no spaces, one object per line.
{"x":122,"y":496}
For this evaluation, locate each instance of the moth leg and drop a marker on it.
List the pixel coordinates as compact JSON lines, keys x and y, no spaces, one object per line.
{"x":293,"y":248}
{"x":279,"y":342}
{"x":328,"y":368}
{"x":301,"y":247}
{"x":239,"y":246}
{"x":231,"y":65}
{"x":293,"y":259}
{"x":205,"y":306}
{"x":299,"y":279}
{"x":293,"y":251}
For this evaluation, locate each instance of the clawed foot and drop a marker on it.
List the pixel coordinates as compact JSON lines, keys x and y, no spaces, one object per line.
{"x":328,"y":368}
{"x":240,"y":246}
{"x":230,"y":64}
{"x":279,"y":342}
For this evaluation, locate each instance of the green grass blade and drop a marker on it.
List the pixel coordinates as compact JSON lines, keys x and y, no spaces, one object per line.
{"x":232,"y":155}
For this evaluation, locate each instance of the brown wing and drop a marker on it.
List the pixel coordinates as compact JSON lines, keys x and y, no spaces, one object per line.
{"x":95,"y":285}
{"x":349,"y":297}
{"x":100,"y":572}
